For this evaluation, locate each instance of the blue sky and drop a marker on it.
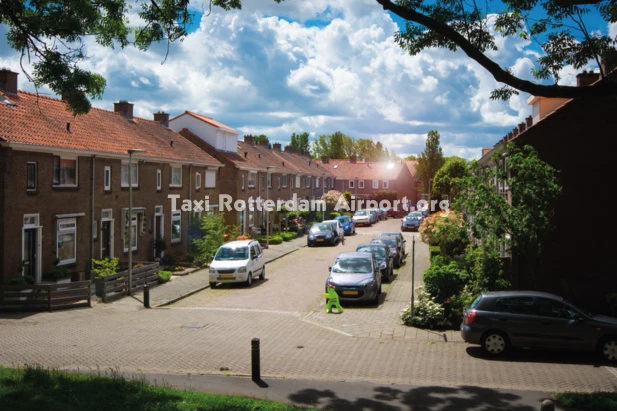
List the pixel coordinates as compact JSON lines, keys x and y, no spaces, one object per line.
{"x":320,"y":66}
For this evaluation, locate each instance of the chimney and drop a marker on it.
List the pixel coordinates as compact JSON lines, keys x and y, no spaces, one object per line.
{"x":352,"y":159}
{"x":276,"y":146}
{"x":486,"y":150}
{"x":514,"y":132}
{"x":125,"y":108}
{"x":325,"y":159}
{"x":264,"y":143}
{"x":249,"y":140}
{"x":162,"y":118}
{"x":288,"y":149}
{"x":522,"y":127}
{"x":8,"y":81}
{"x":586,"y":78}
{"x":529,"y":121}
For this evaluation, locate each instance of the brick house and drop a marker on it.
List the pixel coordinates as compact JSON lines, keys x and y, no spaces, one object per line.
{"x":251,"y":170}
{"x":364,"y":178}
{"x":577,"y":262}
{"x":64,"y":190}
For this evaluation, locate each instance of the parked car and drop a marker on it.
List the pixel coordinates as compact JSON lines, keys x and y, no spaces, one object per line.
{"x":348,"y":224}
{"x":401,"y":239}
{"x":382,"y":213}
{"x":410,"y":223}
{"x":338,"y":229}
{"x":237,"y":262}
{"x":393,"y":243}
{"x":381,"y":252}
{"x":417,"y":214}
{"x":355,"y":277}
{"x":500,"y":320}
{"x":321,"y":233}
{"x":373,"y":215}
{"x":362,"y":217}
{"x":396,"y":212}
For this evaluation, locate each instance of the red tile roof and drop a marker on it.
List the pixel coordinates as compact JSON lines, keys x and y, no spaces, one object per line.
{"x":208,"y":120}
{"x":412,"y":165}
{"x":345,"y":170}
{"x":43,"y":121}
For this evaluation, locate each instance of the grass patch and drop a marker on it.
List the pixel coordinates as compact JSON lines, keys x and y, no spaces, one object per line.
{"x":597,"y":401}
{"x":34,"y":388}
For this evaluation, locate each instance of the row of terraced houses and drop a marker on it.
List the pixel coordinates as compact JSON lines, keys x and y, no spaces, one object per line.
{"x":64,"y":181}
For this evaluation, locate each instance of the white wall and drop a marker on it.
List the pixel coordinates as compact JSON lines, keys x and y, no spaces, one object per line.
{"x":217,"y":138}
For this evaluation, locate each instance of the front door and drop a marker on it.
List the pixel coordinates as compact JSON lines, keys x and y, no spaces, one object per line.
{"x":106,"y":239}
{"x":30,"y":251}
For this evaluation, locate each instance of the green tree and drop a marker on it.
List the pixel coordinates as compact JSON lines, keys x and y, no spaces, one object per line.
{"x":365,"y":147}
{"x":336,"y":145}
{"x":411,"y":158}
{"x":446,"y":177}
{"x":430,"y":160}
{"x":213,"y":236}
{"x":301,"y":142}
{"x":260,"y":138}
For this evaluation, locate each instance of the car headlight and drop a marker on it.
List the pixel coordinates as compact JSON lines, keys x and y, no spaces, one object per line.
{"x":331,"y":281}
{"x":241,"y":270}
{"x":368,"y":283}
{"x":382,"y":266}
{"x":311,"y":236}
{"x":212,"y":270}
{"x":329,"y":235}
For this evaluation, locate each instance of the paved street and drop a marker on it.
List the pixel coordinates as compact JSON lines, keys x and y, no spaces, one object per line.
{"x":210,"y":333}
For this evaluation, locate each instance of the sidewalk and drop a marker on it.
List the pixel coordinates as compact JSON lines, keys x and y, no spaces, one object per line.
{"x":183,"y":286}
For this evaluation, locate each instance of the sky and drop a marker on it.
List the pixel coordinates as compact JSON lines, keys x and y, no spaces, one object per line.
{"x":319,"y":67}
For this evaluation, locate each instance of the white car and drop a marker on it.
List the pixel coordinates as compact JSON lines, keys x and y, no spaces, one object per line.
{"x":338,"y":229}
{"x":362,"y":217}
{"x":237,"y":262}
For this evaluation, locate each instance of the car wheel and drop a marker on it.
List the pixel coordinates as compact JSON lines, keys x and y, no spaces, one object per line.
{"x":494,"y":343}
{"x":608,"y":348}
{"x":397,"y":263}
{"x":249,"y":280}
{"x":262,"y":276}
{"x":212,"y":285}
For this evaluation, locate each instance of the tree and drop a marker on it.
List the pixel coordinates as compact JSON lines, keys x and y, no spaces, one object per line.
{"x":336,"y":145}
{"x":411,"y":158}
{"x":260,"y":139}
{"x":301,"y":142}
{"x":559,"y":26}
{"x":446,"y":177}
{"x":430,"y":160}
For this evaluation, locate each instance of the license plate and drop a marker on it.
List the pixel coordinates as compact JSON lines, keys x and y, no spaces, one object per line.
{"x":319,"y":240}
{"x":227,"y":276}
{"x":350,"y":292}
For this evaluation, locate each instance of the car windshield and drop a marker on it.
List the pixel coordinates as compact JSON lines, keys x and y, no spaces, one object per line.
{"x":360,"y":213}
{"x":376,"y":251}
{"x":411,"y":218}
{"x":352,"y":266}
{"x":321,"y":227}
{"x":343,"y":220}
{"x":415,"y":214}
{"x":232,"y":253}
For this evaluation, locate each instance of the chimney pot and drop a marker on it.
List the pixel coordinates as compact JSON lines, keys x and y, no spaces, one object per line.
{"x":162,"y":118}
{"x":264,"y":143}
{"x":249,"y":140}
{"x":276,"y":146}
{"x":325,"y":159}
{"x":586,"y":78}
{"x":8,"y":81}
{"x":522,"y":127}
{"x":288,"y":149}
{"x":529,"y":121}
{"x":514,"y":132}
{"x":125,"y":108}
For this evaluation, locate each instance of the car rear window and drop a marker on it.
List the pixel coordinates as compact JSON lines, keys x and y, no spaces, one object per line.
{"x":515,"y":305}
{"x":476,"y":302}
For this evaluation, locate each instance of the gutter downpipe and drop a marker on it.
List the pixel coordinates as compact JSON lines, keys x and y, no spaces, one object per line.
{"x":89,"y":265}
{"x":188,"y":234}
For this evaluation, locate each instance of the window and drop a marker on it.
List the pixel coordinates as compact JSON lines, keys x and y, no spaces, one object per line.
{"x":252,"y":179}
{"x":64,"y":172}
{"x":332,"y":181}
{"x":284,"y":182}
{"x":124,"y":174}
{"x":279,"y":182}
{"x":197,"y":181}
{"x":269,"y":180}
{"x":308,"y":181}
{"x":360,"y":183}
{"x":176,"y":226}
{"x":386,"y":184}
{"x":31,"y":176}
{"x":351,"y":184}
{"x":132,"y":234}
{"x":317,"y":182}
{"x":66,"y":241}
{"x":107,"y":178}
{"x":298,"y":184}
{"x":242,"y":182}
{"x":176,"y":176}
{"x":159,"y":180}
{"x":211,"y":179}
{"x":375,"y":184}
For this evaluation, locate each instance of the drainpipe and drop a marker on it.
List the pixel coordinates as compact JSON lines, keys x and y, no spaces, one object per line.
{"x":89,"y":265}
{"x":259,"y":196}
{"x":188,"y":233}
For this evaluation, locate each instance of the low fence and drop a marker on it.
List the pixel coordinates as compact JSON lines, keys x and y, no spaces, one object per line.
{"x":114,"y":287}
{"x":50,"y":297}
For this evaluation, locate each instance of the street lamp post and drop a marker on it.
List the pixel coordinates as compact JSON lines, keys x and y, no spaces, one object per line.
{"x":268,"y":168}
{"x":430,"y":180}
{"x":132,"y":151}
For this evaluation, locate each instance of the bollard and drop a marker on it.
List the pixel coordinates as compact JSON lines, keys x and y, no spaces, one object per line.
{"x":547,"y":405}
{"x":146,"y":296}
{"x":255,"y":366}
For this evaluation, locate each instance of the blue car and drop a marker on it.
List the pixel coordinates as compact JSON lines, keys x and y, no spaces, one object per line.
{"x":349,"y":225}
{"x":411,"y":223}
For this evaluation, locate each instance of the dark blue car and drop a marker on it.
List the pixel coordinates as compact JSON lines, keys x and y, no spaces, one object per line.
{"x":410,"y":223}
{"x":349,"y":225}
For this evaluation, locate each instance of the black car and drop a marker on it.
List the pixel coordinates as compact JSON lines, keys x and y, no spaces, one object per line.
{"x":402,"y":242}
{"x":321,"y":233}
{"x":394,"y":244}
{"x":502,"y":319}
{"x":381,"y":252}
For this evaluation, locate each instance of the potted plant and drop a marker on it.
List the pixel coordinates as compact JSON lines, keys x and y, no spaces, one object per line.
{"x":58,"y":275}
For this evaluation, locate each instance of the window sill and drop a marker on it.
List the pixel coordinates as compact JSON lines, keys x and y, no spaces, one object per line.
{"x":127,"y":187}
{"x":65,"y":187}
{"x":32,"y":192}
{"x":210,"y":187}
{"x":179,"y":241}
{"x":67,"y":263}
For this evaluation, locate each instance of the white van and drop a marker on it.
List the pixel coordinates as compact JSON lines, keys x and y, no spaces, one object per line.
{"x":237,"y":262}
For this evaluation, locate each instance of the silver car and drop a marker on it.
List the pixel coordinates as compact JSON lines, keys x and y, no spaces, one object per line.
{"x":355,"y":276}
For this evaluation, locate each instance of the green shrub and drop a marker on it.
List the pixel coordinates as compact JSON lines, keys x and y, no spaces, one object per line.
{"x":21,"y":280}
{"x":485,"y":269}
{"x":427,"y":313}
{"x":58,"y":273}
{"x":276,"y":239}
{"x":105,"y":267}
{"x":434,"y":250}
{"x":289,"y":236}
{"x":213,"y":236}
{"x":444,"y":278}
{"x":334,"y":214}
{"x":164,"y":276}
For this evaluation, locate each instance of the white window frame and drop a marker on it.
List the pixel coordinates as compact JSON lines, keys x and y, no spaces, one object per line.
{"x":171,"y":181}
{"x":361,"y":184}
{"x":252,"y":179}
{"x":133,"y":224}
{"x":176,"y":215}
{"x":375,"y":184}
{"x":135,"y":180}
{"x":298,"y":182}
{"x":308,"y":181}
{"x":36,"y":176}
{"x":107,"y":178}
{"x":159,"y":179}
{"x":316,"y":182}
{"x":197,"y":181}
{"x":76,"y":172}
{"x":351,"y":184}
{"x":386,"y":184}
{"x":269,"y":180}
{"x":284,"y":182}
{"x":279,"y":182}
{"x":210,"y":175}
{"x":68,"y":229}
{"x":242,"y":182}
